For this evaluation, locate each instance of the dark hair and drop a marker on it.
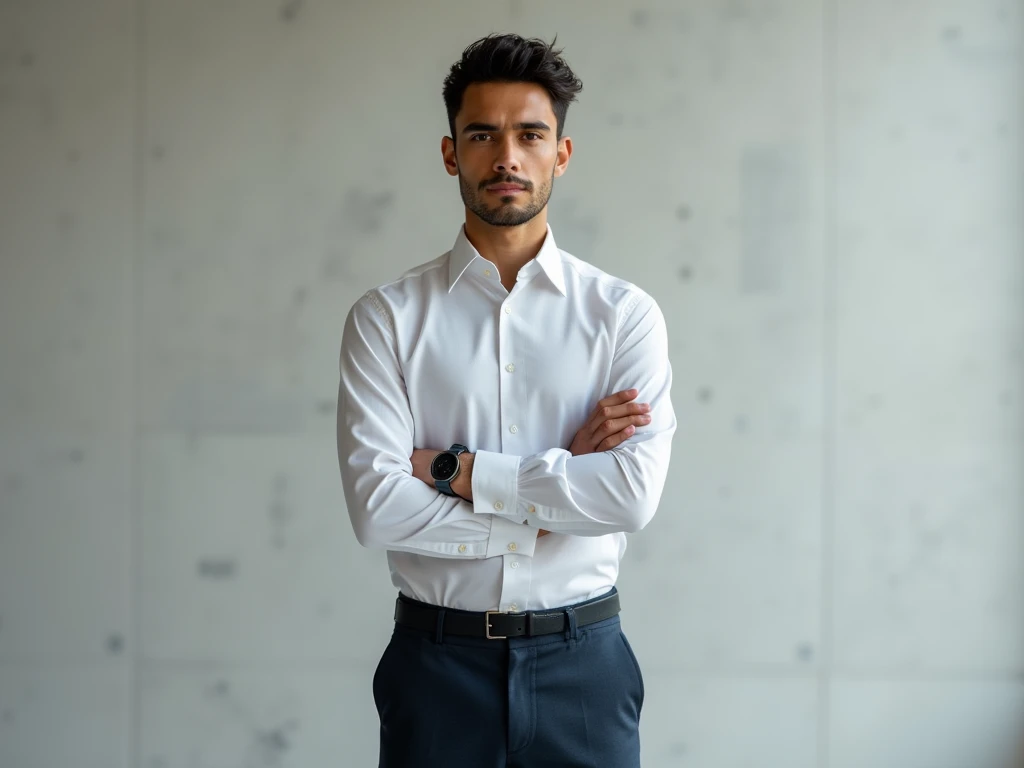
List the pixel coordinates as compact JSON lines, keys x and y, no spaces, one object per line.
{"x":511,"y":58}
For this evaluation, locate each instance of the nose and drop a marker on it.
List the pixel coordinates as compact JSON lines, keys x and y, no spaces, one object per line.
{"x":507,"y":159}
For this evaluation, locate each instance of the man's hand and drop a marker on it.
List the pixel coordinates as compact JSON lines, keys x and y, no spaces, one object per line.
{"x":613,"y":421}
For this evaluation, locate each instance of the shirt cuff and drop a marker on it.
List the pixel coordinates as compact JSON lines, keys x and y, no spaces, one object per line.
{"x":510,"y":538}
{"x":496,"y":485}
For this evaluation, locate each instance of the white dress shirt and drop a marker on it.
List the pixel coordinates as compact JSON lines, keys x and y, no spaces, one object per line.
{"x":445,"y":354}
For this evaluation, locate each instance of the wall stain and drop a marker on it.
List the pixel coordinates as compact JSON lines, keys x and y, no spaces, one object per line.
{"x":274,"y":742}
{"x":365,"y":212}
{"x":268,"y":746}
{"x":280,"y":511}
{"x":115,"y":644}
{"x":290,"y":10}
{"x":217,"y":568}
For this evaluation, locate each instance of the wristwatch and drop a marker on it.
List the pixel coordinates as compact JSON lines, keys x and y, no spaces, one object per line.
{"x":445,"y":467}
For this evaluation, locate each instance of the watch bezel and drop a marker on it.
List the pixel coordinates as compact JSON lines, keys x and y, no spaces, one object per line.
{"x":455,"y":473}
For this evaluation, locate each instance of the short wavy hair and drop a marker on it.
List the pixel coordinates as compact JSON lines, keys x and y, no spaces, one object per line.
{"x":511,"y":58}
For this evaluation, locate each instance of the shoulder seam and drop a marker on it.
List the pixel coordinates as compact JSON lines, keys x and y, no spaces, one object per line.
{"x":381,"y":309}
{"x":630,"y":306}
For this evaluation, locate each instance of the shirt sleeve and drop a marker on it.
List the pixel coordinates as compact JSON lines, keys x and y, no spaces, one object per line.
{"x":388,"y":507}
{"x":605,"y":492}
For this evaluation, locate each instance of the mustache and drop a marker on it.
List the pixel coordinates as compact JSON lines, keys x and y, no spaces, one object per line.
{"x":507,"y":180}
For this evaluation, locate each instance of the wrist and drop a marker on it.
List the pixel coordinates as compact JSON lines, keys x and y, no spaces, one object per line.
{"x":463,"y":483}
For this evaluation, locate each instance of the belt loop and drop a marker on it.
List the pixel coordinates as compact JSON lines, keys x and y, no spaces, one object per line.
{"x":571,"y":631}
{"x":439,"y":632}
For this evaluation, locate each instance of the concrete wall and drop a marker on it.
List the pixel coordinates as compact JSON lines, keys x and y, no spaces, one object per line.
{"x":826,"y":198}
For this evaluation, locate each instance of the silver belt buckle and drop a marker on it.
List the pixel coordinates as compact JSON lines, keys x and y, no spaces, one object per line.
{"x":487,"y":628}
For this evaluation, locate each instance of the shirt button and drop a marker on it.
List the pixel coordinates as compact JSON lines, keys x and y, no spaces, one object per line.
{"x":513,"y":429}
{"x":498,"y":505}
{"x":487,"y":273}
{"x":508,"y":310}
{"x":462,"y":547}
{"x":512,"y":547}
{"x":513,"y":607}
{"x":532,"y":509}
{"x":515,"y":563}
{"x":510,"y":367}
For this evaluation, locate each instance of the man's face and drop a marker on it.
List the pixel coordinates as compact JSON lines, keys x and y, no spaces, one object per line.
{"x":506,"y":154}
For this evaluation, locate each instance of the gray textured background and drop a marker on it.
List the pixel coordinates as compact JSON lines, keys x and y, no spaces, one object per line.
{"x":825,"y":196}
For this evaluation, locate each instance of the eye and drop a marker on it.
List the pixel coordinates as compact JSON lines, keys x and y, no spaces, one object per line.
{"x":476,"y":136}
{"x":536,"y":136}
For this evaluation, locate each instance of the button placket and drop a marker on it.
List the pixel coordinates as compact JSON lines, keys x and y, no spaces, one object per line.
{"x":516,"y":580}
{"x":516,"y":575}
{"x":510,"y":381}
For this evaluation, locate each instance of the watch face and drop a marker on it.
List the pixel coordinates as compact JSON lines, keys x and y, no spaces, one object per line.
{"x":444,"y":466}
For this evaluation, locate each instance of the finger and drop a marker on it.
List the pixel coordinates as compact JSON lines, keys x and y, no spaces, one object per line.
{"x":612,"y":412}
{"x":618,"y":398}
{"x":612,"y":426}
{"x":613,"y":440}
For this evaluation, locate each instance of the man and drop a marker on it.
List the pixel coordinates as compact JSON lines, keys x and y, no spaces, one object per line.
{"x":507,"y":648}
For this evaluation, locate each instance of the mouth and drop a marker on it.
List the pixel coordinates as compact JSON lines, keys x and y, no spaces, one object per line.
{"x":506,"y":189}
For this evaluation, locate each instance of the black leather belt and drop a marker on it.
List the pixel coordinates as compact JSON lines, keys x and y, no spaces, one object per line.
{"x":498,"y":625}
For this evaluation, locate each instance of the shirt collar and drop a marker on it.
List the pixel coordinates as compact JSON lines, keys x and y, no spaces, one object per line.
{"x":548,"y":259}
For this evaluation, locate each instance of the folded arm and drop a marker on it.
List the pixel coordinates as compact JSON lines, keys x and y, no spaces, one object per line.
{"x":389,"y":508}
{"x":596,"y":493}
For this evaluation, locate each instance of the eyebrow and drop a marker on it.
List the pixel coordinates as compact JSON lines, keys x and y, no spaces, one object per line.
{"x":534,"y":126}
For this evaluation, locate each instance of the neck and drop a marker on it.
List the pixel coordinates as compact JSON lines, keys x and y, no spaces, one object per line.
{"x":508,"y":248}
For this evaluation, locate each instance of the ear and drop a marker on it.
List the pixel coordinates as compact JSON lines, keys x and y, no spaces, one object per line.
{"x":564,"y":153}
{"x":451,"y":163}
